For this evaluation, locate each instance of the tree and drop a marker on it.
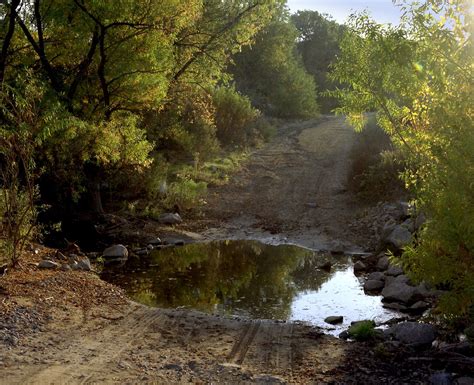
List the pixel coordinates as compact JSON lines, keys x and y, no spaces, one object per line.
{"x":271,"y":73}
{"x":418,"y":77}
{"x":318,"y":44}
{"x":104,"y":66}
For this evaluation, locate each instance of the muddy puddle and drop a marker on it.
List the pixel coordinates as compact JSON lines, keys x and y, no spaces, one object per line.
{"x":251,"y":279}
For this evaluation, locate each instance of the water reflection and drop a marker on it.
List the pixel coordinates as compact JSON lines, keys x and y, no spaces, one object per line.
{"x":245,"y":278}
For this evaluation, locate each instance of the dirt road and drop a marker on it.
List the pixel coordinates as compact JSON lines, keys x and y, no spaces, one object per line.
{"x":294,"y":190}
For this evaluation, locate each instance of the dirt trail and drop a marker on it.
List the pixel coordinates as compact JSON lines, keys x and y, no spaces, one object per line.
{"x":291,"y":190}
{"x":295,"y":189}
{"x":153,"y":345}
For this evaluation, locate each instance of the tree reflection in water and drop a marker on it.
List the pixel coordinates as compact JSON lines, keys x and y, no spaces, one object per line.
{"x":226,"y":277}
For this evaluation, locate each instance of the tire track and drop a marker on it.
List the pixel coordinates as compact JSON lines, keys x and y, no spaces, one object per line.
{"x":241,"y":347}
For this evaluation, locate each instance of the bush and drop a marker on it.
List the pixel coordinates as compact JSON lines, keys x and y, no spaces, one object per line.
{"x":376,"y":166}
{"x":362,"y":331}
{"x":185,"y":194}
{"x":234,"y":116}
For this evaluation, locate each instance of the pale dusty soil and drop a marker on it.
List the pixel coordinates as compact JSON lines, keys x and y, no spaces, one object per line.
{"x":72,"y":328}
{"x":293,"y":190}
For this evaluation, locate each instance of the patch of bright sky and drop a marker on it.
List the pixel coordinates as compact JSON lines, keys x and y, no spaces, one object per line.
{"x":383,"y":11}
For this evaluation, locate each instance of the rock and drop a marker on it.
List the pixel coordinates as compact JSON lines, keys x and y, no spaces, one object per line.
{"x":417,"y":335}
{"x":47,"y":264}
{"x":399,"y":237}
{"x":325,"y":265}
{"x":400,"y":292}
{"x":150,"y":247}
{"x":420,"y":220}
{"x":154,"y":241}
{"x":344,"y":335}
{"x":376,"y":276}
{"x":72,"y":259}
{"x":179,"y":242}
{"x":394,"y":270}
{"x":116,"y":252}
{"x":359,"y":267}
{"x":405,"y":209}
{"x":395,"y":306}
{"x":170,"y":219}
{"x":65,"y":267}
{"x":75,"y":266}
{"x":465,"y":381}
{"x":84,"y":264}
{"x":60,"y":256}
{"x":383,"y":263}
{"x":419,"y":307}
{"x":373,"y":286}
{"x":173,"y":367}
{"x":409,"y":224}
{"x":334,"y":320}
{"x":142,"y":252}
{"x":267,"y":379}
{"x":398,"y":279}
{"x":441,"y":378}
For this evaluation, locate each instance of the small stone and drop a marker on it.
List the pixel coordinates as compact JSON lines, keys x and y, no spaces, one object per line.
{"x":394,"y":270}
{"x":65,"y":267}
{"x":170,"y":219}
{"x":84,"y":264}
{"x":395,"y":306}
{"x":465,"y":381}
{"x":376,"y":276}
{"x":359,"y":267}
{"x":325,"y":265}
{"x":383,"y":263}
{"x":47,"y":264}
{"x":441,"y":378}
{"x":176,"y":367}
{"x":142,"y":252}
{"x":334,"y":320}
{"x":150,"y":247}
{"x":419,"y":307}
{"x":60,"y":256}
{"x":344,"y":335}
{"x":116,"y":251}
{"x":155,"y":241}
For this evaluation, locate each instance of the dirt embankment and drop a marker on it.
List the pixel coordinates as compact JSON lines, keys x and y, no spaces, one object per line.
{"x":71,"y":328}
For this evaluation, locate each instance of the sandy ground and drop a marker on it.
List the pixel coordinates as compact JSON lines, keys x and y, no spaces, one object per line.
{"x":71,"y":328}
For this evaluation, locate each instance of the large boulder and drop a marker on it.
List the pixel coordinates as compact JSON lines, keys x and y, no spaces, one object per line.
{"x":414,"y":334}
{"x":401,"y":292}
{"x":170,"y":219}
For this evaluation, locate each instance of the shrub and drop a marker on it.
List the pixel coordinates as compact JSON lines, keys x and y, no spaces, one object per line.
{"x":185,"y":194}
{"x":234,"y":115}
{"x":376,"y":166}
{"x":362,"y":331}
